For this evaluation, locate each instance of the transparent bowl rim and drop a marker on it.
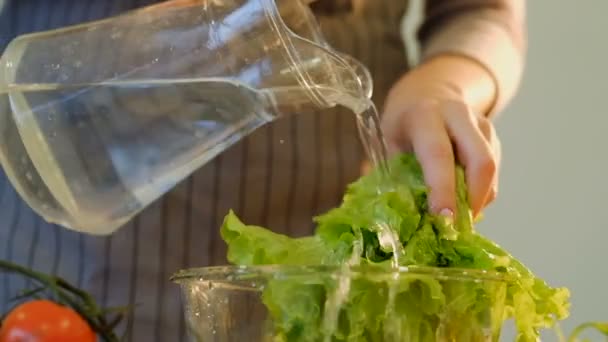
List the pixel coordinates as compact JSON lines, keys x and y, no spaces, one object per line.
{"x":235,"y":273}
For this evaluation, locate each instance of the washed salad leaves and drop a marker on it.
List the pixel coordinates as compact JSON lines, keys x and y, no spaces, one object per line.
{"x":415,"y":307}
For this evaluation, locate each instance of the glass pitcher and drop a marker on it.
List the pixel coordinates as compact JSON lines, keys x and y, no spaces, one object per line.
{"x":99,"y":120}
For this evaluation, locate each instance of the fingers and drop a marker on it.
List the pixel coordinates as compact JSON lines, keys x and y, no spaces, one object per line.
{"x":489,"y":133}
{"x":439,"y":133}
{"x":468,"y":133}
{"x":433,"y":148}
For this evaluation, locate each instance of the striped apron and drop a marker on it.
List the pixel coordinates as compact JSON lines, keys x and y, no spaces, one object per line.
{"x":279,"y":177}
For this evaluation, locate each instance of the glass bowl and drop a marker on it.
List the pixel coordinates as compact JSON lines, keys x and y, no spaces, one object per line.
{"x":341,"y":303}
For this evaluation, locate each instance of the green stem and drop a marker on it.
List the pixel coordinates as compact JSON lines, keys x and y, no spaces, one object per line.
{"x":600,"y":327}
{"x":40,"y":277}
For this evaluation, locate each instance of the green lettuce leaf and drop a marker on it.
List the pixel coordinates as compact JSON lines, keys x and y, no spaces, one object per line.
{"x":599,"y":327}
{"x":414,"y":307}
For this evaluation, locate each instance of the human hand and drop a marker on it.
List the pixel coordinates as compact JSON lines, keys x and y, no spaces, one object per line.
{"x":438,"y":112}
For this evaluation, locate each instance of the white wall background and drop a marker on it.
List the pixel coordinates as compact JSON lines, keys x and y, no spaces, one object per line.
{"x":552,"y":211}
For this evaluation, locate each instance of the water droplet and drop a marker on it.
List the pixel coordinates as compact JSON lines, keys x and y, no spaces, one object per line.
{"x":55,"y":66}
{"x":281,"y":141}
{"x":197,"y":314}
{"x":29,"y":176}
{"x":67,"y":49}
{"x":9,"y":64}
{"x":77,"y":64}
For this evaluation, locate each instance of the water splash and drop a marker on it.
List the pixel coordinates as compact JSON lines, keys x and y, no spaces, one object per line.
{"x":336,"y":299}
{"x":374,"y":145}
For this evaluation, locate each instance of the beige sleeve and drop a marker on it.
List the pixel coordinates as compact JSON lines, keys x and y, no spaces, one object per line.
{"x":493,"y":32}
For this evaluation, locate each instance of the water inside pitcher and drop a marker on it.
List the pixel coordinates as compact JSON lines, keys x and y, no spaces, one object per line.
{"x":99,"y":120}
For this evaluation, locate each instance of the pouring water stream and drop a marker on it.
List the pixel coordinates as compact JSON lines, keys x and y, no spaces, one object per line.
{"x":374,"y":145}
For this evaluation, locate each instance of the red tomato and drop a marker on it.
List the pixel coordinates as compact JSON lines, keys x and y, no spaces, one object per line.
{"x":45,"y":321}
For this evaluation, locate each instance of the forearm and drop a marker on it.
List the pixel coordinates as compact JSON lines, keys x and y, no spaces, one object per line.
{"x":482,"y":43}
